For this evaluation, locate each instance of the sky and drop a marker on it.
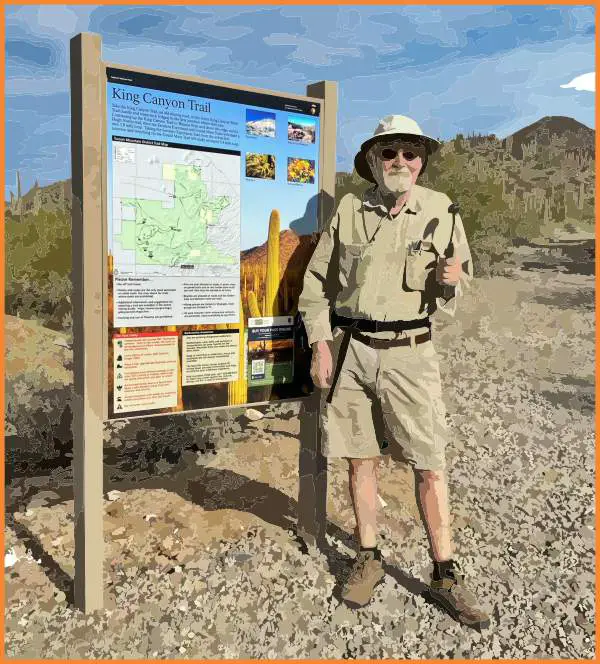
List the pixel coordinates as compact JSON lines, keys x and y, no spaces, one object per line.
{"x":462,"y":69}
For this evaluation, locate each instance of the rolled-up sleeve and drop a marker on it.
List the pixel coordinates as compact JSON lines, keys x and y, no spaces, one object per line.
{"x":448,"y":302}
{"x":315,"y":300}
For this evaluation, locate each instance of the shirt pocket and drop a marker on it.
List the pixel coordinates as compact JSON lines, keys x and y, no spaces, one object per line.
{"x":350,"y":256}
{"x":420,"y":266}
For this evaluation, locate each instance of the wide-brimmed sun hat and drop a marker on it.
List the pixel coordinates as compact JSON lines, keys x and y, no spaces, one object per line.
{"x":392,"y":126}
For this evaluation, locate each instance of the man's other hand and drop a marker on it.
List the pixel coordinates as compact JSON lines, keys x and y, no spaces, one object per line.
{"x":449,"y":271}
{"x":321,"y":366}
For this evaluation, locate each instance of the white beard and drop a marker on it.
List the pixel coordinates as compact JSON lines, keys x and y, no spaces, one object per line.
{"x":397,"y":183}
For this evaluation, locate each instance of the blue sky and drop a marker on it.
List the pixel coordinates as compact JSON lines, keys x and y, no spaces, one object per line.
{"x":454,"y":69}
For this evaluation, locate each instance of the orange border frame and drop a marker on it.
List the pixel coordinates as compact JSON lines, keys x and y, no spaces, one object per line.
{"x":286,"y":3}
{"x":2,"y":301}
{"x":291,"y":3}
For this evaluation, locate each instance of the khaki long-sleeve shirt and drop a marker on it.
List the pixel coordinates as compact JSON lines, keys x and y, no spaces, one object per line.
{"x":368,"y":264}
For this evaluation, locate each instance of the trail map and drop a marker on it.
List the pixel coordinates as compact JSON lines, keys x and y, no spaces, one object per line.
{"x":176,"y":212}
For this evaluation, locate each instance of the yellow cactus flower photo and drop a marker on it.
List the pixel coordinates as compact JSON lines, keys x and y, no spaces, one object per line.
{"x":301,"y":170}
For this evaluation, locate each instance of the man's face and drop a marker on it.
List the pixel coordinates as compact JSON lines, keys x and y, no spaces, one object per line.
{"x":396,"y":164}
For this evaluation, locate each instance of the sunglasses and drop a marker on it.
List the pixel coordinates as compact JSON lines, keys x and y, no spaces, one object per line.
{"x":407,"y":154}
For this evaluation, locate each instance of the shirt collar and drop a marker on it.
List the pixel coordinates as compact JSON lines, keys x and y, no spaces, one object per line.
{"x":373,"y":200}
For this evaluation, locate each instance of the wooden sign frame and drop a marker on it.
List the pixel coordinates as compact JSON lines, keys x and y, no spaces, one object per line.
{"x":90,"y":315}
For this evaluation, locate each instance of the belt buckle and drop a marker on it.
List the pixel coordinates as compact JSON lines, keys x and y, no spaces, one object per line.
{"x":403,"y":338}
{"x":410,"y":338}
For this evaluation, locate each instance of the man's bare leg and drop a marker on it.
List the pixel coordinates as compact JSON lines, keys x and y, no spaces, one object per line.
{"x":363,"y":491}
{"x":431,"y":489}
{"x":367,"y":570}
{"x":432,"y":498}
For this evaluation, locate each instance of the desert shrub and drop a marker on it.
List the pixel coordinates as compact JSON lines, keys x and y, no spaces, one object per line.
{"x":38,"y":386}
{"x":38,"y":267}
{"x":488,"y":248}
{"x":492,"y":242}
{"x":38,"y":414}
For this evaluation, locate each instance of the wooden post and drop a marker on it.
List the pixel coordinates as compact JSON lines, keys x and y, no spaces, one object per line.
{"x":327,"y":91}
{"x":87,"y":115}
{"x":312,"y":489}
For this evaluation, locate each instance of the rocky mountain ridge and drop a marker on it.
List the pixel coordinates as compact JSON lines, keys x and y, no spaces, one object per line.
{"x":569,"y":132}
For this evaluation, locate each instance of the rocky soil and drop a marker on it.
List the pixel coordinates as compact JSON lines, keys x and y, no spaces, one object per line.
{"x":201,"y":554}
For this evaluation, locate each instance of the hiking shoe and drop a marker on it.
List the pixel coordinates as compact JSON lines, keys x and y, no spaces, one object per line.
{"x":366,"y":573}
{"x":457,"y":600}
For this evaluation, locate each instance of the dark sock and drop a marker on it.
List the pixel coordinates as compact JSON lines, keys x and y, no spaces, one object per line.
{"x":374,"y":549}
{"x":441,"y":569}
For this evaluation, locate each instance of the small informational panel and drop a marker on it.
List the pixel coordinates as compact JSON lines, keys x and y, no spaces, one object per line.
{"x":270,"y":350}
{"x":145,"y":371}
{"x":211,"y":215}
{"x":210,"y":356}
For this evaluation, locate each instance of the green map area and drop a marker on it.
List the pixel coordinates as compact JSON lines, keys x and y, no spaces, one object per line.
{"x":172,"y":236}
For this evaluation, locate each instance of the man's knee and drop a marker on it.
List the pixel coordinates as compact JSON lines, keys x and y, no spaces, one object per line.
{"x":363,"y":465}
{"x":429,"y":476}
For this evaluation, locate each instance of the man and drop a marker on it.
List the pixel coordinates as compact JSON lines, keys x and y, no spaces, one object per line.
{"x":381,"y":268}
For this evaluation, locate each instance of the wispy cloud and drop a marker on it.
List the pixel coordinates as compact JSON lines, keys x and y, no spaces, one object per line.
{"x":454,"y":69}
{"x":585,"y":82}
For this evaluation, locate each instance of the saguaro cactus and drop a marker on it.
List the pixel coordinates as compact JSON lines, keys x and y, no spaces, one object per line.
{"x":237,"y":392}
{"x":272,"y":280}
{"x":253,"y":305}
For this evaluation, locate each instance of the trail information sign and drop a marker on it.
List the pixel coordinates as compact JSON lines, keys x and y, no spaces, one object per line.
{"x":196,"y":206}
{"x":212,"y":207}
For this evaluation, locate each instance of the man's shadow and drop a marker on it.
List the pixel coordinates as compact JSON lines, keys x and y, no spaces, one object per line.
{"x":213,"y":489}
{"x":274,"y":507}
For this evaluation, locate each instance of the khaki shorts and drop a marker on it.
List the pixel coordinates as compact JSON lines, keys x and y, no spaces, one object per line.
{"x":392,"y":394}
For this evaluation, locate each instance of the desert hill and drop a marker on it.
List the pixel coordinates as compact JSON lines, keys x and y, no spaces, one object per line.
{"x":552,"y":128}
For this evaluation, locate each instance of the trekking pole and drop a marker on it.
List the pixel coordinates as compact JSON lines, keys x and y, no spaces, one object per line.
{"x":448,"y":291}
{"x":453,"y":210}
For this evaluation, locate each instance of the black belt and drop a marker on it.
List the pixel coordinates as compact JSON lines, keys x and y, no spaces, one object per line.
{"x":354,"y":326}
{"x":366,"y":325}
{"x":391,"y":343}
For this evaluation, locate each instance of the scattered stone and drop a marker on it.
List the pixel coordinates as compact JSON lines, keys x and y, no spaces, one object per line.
{"x":233,"y":581}
{"x":253,"y":415}
{"x":10,"y":558}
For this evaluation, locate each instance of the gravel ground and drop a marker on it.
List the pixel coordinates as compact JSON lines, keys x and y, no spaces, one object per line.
{"x":202,"y":560}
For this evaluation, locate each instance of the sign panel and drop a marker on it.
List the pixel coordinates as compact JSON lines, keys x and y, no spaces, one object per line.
{"x":212,"y":206}
{"x":271,"y":350}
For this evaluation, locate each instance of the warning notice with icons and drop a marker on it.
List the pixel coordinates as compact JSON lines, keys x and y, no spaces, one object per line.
{"x":145,"y":371}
